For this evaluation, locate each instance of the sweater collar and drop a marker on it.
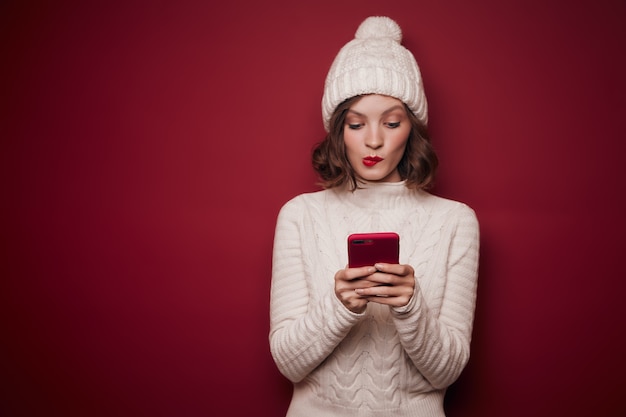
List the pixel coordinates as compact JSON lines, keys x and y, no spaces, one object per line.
{"x":380,"y":195}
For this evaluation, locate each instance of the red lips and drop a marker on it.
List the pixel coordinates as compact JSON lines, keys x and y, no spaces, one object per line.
{"x":370,"y":161}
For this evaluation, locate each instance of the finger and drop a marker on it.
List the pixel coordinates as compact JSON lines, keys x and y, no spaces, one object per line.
{"x":396,"y":269}
{"x":350,"y":274}
{"x":390,"y":301}
{"x":351,"y":286}
{"x":376,"y":291}
{"x":345,"y":284}
{"x":380,"y":278}
{"x":385,"y":291}
{"x":387,"y":296}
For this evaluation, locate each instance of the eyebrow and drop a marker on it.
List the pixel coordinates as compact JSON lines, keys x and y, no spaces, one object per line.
{"x":389,"y":110}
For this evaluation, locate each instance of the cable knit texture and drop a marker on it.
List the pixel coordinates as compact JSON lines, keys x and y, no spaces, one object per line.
{"x":386,"y":361}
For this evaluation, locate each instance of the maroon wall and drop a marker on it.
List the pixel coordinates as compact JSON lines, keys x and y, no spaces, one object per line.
{"x":146,"y":148}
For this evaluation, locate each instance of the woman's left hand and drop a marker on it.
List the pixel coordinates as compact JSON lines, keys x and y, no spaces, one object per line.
{"x":395,"y":285}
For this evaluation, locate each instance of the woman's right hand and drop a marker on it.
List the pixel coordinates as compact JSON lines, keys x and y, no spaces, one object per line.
{"x":347,"y":281}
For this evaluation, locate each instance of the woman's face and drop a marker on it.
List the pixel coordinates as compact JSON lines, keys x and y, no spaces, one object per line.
{"x":375,"y":132}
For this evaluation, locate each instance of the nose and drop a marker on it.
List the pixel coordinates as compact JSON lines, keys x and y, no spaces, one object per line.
{"x":374,"y":138}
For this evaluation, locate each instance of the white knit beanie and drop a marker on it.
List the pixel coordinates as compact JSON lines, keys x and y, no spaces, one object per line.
{"x":374,"y":62}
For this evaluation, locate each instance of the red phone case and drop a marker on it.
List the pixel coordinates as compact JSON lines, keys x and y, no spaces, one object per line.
{"x":366,"y":249}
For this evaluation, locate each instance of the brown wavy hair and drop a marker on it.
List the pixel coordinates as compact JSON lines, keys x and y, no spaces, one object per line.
{"x":418,"y":165}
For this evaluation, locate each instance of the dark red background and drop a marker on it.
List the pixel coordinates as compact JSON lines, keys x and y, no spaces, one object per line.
{"x":146,"y":148}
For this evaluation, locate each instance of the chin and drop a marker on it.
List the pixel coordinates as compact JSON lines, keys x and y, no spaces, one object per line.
{"x":386,"y":177}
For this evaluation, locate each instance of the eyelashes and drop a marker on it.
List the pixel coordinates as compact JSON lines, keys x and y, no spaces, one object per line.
{"x":356,"y":126}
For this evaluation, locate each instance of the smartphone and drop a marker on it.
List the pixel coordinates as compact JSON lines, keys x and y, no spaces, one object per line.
{"x":366,"y":249}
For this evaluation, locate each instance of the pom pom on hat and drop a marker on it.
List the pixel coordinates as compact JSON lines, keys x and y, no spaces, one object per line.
{"x":379,"y":27}
{"x":375,"y":62}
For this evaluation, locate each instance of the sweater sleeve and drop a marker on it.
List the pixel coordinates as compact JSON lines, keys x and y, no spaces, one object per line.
{"x":304,"y":329}
{"x":439,"y":344}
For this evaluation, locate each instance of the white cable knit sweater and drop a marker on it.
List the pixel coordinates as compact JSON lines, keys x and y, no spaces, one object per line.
{"x":386,"y":361}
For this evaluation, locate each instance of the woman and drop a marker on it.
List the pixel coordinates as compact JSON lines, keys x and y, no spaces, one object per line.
{"x":384,"y":339}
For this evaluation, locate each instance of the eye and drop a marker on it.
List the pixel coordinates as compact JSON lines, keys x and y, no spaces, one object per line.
{"x":354,"y":126}
{"x":392,"y":125}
